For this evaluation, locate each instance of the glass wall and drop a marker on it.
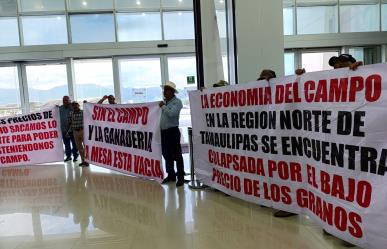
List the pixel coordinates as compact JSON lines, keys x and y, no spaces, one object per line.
{"x":9,"y":28}
{"x":140,"y":79}
{"x":317,"y":61}
{"x":93,"y":79}
{"x":47,"y":84}
{"x":384,"y":16}
{"x":45,"y":22}
{"x":320,"y":17}
{"x":179,"y":68}
{"x":10,"y":93}
{"x":43,"y":30}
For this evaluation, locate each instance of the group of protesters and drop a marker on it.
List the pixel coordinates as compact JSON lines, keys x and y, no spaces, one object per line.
{"x":72,"y":125}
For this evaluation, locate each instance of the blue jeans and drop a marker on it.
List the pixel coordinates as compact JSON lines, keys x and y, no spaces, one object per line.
{"x":70,"y":147}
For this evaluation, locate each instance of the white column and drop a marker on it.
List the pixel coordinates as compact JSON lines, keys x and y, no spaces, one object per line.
{"x":260,"y":40}
{"x":212,"y":57}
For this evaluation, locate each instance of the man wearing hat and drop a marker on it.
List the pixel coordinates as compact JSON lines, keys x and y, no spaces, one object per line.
{"x":341,"y":61}
{"x":111,"y":99}
{"x":267,"y":74}
{"x":170,"y":134}
{"x":344,"y":60}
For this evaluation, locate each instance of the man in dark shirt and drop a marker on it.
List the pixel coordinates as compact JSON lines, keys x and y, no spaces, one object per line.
{"x":76,"y":127}
{"x":68,"y":140}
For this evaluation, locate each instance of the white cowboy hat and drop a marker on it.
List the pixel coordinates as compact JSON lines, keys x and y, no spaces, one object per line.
{"x":170,"y":84}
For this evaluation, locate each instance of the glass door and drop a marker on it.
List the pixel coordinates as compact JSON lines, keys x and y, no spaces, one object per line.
{"x":182,"y":71}
{"x":10,"y":101}
{"x":47,"y":84}
{"x":140,"y":79}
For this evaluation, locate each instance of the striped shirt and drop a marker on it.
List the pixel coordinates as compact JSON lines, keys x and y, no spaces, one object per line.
{"x":76,"y":121}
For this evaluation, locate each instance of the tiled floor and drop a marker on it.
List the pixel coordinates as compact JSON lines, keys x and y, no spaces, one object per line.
{"x":64,"y":206}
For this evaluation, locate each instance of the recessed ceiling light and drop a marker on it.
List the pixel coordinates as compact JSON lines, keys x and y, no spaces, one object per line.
{"x":84,"y":3}
{"x":180,"y":13}
{"x":138,"y":3}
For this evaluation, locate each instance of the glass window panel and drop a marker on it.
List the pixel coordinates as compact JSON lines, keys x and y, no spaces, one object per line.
{"x":139,"y":26}
{"x":137,"y":4}
{"x":316,"y":2}
{"x":317,"y":61}
{"x":140,"y":80}
{"x":10,"y":93}
{"x":90,"y":4}
{"x":288,"y":14}
{"x":225,"y":67}
{"x":288,"y":3}
{"x":290,"y":66}
{"x":317,"y":20}
{"x":42,"y":5}
{"x":179,"y":68}
{"x":89,"y":28}
{"x":357,"y":53}
{"x":8,"y":7}
{"x":9,"y":32}
{"x":219,"y":4}
{"x":222,"y":23}
{"x":359,"y":2}
{"x":359,"y":18}
{"x":178,"y":25}
{"x":384,"y":17}
{"x":42,"y":30}
{"x":93,"y":79}
{"x":177,"y":3}
{"x":47,"y":84}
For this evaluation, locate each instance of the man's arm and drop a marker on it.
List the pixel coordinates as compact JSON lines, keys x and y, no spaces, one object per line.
{"x":102,"y":100}
{"x":172,"y":110}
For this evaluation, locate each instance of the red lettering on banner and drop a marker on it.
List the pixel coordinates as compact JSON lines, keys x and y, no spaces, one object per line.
{"x":45,"y":135}
{"x":288,"y":93}
{"x":285,"y":171}
{"x":147,"y":167}
{"x":311,"y":171}
{"x":20,"y":138}
{"x":14,"y":159}
{"x":101,"y":155}
{"x":228,"y":181}
{"x":355,"y":191}
{"x":345,"y":91}
{"x":122,"y":161}
{"x":277,"y":193}
{"x":239,"y":98}
{"x":333,"y":215}
{"x":355,"y":221}
{"x":244,"y":164}
{"x":251,"y":187}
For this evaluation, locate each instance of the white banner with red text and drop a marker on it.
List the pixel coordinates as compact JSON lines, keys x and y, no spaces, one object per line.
{"x":314,"y":144}
{"x":125,"y":138}
{"x":31,"y":139}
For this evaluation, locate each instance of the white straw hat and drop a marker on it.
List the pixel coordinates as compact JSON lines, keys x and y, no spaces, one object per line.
{"x":170,"y":84}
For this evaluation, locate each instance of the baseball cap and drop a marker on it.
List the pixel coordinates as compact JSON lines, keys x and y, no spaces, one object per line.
{"x":342,"y":58}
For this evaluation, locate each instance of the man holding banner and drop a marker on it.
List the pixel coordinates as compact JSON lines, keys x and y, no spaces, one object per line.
{"x":170,"y":134}
{"x":68,"y":141}
{"x":76,"y":127}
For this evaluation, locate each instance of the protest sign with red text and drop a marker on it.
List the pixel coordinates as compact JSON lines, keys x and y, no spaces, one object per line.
{"x":315,"y":145}
{"x":31,"y":139}
{"x":125,"y":138}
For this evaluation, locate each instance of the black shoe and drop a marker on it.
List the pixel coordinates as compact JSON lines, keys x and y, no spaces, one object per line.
{"x":283,"y":214}
{"x":326,"y":233}
{"x":347,"y":244}
{"x":168,"y":179}
{"x":179,"y":183}
{"x":75,"y":159}
{"x":84,"y":164}
{"x":68,"y":159}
